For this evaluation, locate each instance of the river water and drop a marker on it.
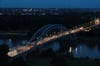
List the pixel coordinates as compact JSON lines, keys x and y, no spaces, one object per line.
{"x":81,"y":50}
{"x":84,"y":51}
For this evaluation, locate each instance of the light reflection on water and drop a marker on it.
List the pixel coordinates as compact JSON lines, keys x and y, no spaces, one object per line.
{"x":81,"y":50}
{"x":70,"y":49}
{"x":11,"y":43}
{"x":84,"y":51}
{"x":56,"y":46}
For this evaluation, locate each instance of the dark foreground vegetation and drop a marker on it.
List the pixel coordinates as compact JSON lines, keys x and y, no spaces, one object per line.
{"x":58,"y":61}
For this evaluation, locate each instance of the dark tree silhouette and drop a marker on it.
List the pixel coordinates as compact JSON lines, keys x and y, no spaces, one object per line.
{"x":3,"y":55}
{"x":18,"y":62}
{"x":59,"y":61}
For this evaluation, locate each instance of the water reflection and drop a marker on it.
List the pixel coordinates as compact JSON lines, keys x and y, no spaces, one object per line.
{"x":11,"y":43}
{"x":56,"y":46}
{"x":24,"y":42}
{"x":1,"y":42}
{"x":78,"y":50}
{"x":70,"y":49}
{"x":84,"y":51}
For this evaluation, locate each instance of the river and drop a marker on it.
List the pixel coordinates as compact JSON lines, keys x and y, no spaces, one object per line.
{"x":82,"y":50}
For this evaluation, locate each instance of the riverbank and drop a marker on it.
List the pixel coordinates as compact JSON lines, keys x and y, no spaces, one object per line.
{"x":14,"y":35}
{"x":46,"y":61}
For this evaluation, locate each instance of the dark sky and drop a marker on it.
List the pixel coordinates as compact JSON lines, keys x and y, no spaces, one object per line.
{"x":49,"y":3}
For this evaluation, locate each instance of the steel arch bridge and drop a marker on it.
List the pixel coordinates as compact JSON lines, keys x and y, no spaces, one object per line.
{"x":41,"y":33}
{"x":44,"y":30}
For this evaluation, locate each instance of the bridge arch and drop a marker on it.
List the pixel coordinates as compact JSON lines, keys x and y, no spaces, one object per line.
{"x":41,"y":32}
{"x":38,"y":32}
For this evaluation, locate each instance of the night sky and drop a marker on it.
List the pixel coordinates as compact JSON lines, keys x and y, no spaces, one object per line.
{"x":49,"y":3}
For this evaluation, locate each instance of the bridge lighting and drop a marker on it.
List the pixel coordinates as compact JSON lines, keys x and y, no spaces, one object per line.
{"x":66,"y":33}
{"x":76,"y":50}
{"x":70,"y":49}
{"x":15,"y":51}
{"x":81,"y":28}
{"x":12,"y":53}
{"x":97,"y":22}
{"x":86,"y":30}
{"x":72,"y":31}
